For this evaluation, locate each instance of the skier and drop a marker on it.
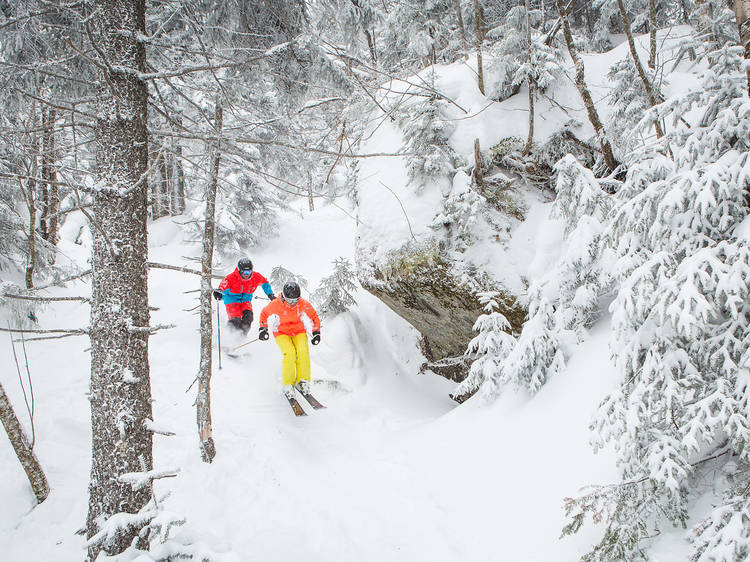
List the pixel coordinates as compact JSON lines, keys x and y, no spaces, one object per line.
{"x":236,"y":290}
{"x":288,"y":317}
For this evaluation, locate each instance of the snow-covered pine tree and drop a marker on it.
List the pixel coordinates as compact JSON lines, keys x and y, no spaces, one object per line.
{"x":426,"y":134}
{"x":579,"y":194}
{"x":280,"y":275}
{"x":681,"y":322}
{"x":334,"y":295}
{"x":537,"y":355}
{"x":246,"y":216}
{"x":520,"y":62}
{"x":487,"y":350}
{"x":419,"y":33}
{"x":461,"y":210}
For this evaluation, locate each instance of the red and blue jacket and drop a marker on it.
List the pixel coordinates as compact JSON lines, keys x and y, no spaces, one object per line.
{"x":237,"y":292}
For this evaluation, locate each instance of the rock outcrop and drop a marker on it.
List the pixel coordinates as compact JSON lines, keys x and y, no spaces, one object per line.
{"x":423,"y":286}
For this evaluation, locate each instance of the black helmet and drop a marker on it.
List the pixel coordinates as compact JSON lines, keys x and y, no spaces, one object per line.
{"x":245,"y":264}
{"x":290,"y":292}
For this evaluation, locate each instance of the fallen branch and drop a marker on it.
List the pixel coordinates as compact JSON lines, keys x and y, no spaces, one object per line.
{"x":154,"y":265}
{"x":75,"y":332}
{"x":47,"y":299}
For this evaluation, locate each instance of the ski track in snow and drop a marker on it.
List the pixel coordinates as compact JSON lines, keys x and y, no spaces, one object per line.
{"x":391,"y":470}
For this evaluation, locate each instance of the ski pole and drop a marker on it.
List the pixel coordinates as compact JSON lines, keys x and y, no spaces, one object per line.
{"x":244,"y":344}
{"x":218,"y":330}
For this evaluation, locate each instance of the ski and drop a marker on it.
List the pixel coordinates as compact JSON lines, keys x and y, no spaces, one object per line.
{"x":310,"y":399}
{"x":296,"y":408}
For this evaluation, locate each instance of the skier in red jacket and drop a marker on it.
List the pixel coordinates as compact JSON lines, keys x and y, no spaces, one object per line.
{"x":236,"y":290}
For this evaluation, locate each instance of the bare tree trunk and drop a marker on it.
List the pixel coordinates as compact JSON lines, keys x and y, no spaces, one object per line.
{"x":24,"y":452}
{"x":461,"y":28}
{"x":310,"y":200}
{"x":652,"y":33}
{"x":652,"y":97}
{"x":480,"y":38}
{"x":120,"y":390}
{"x":164,"y":186}
{"x":478,"y":173}
{"x":203,"y":400}
{"x":179,"y":183}
{"x":31,"y":200}
{"x":371,"y":46}
{"x":530,"y":138}
{"x":54,"y":197}
{"x":742,"y":11}
{"x":580,"y":80}
{"x":44,"y":184}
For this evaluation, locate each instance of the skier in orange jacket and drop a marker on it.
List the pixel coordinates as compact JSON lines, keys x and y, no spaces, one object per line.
{"x":288,"y":316}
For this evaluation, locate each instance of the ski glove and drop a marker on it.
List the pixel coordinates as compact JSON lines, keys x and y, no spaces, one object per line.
{"x":217,"y":295}
{"x":271,"y":297}
{"x":263,"y":333}
{"x":316,"y":337}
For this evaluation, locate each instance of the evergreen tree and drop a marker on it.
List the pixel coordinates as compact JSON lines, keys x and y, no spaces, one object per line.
{"x":280,"y":275}
{"x":334,"y":295}
{"x":426,"y":135}
{"x":488,"y":349}
{"x":681,"y":324}
{"x":537,"y":355}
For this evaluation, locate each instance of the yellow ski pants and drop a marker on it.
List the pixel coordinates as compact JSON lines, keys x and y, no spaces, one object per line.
{"x":296,"y":356}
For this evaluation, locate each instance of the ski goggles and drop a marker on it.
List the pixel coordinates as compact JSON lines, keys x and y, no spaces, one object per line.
{"x":246,"y":272}
{"x":290,"y":301}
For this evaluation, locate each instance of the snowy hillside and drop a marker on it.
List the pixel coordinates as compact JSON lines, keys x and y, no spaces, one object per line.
{"x":390,"y":470}
{"x":393,"y":470}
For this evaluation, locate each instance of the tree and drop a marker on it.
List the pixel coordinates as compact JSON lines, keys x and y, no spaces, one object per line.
{"x":742,"y":12}
{"x":203,"y":400}
{"x":580,"y":81}
{"x":488,"y":349}
{"x":681,"y":322}
{"x":653,"y":96}
{"x":23,"y":450}
{"x":334,"y":295}
{"x":119,"y":330}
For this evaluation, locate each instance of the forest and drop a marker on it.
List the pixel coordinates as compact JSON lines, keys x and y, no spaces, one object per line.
{"x":524,"y":224}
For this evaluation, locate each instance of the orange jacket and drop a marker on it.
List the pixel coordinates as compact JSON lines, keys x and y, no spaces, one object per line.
{"x":285,"y":318}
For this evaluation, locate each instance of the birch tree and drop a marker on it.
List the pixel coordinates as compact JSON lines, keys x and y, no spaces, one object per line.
{"x":653,"y":96}
{"x":742,"y":11}
{"x":203,"y":400}
{"x":23,"y":450}
{"x":580,"y":81}
{"x":120,"y":379}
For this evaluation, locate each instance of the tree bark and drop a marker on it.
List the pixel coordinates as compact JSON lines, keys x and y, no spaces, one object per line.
{"x":742,"y":11}
{"x":31,"y":200}
{"x":652,"y":33}
{"x":203,"y":400}
{"x":120,"y":391}
{"x":371,"y":46}
{"x":652,"y":96}
{"x":49,"y":154}
{"x":24,"y":452}
{"x":44,"y":184}
{"x":478,"y":172}
{"x":164,"y":186}
{"x":179,"y":183}
{"x":480,"y":38}
{"x":530,"y":138}
{"x":461,"y":28}
{"x":580,"y":81}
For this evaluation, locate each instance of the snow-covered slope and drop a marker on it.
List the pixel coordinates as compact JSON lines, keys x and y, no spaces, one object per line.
{"x":392,"y":470}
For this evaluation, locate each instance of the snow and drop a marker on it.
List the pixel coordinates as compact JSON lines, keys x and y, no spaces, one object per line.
{"x":393,"y":469}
